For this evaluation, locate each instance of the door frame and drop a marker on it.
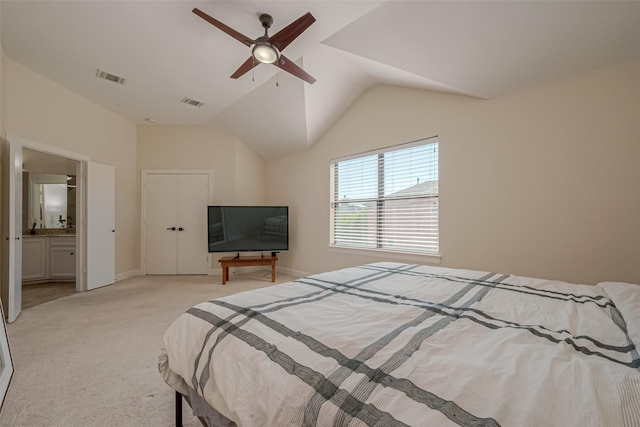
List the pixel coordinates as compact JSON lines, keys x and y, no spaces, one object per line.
{"x":10,"y":277}
{"x":143,"y":206}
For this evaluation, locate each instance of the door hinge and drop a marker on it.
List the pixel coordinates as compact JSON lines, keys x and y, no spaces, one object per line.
{"x":84,"y":270}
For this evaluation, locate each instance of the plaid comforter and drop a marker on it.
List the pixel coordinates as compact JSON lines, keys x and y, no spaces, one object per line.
{"x":391,"y":344}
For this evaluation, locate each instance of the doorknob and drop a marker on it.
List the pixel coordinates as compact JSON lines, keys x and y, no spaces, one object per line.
{"x":171,"y":228}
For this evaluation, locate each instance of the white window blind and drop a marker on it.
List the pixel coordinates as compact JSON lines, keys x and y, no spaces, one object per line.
{"x":387,"y":199}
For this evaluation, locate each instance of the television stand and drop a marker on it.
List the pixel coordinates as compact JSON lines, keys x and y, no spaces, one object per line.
{"x":247,"y":261}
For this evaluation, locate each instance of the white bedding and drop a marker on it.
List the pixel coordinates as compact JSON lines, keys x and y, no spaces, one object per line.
{"x":391,"y":344}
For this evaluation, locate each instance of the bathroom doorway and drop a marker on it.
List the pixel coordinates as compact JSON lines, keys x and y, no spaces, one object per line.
{"x":49,"y":218}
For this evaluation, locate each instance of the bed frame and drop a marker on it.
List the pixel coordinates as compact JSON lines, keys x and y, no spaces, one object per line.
{"x":179,"y":397}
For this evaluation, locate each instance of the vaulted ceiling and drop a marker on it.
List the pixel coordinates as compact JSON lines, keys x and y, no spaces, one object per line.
{"x":483,"y":49}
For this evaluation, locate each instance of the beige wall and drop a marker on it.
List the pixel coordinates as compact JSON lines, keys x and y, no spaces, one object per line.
{"x":540,"y":183}
{"x":37,"y":109}
{"x":239,"y":174}
{"x":251,"y":173}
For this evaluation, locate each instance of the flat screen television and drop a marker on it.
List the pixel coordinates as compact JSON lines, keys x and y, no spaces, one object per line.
{"x":248,"y":228}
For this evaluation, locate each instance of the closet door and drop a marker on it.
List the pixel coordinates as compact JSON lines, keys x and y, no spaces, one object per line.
{"x":161,"y":224}
{"x":193,"y":191}
{"x":176,"y":223}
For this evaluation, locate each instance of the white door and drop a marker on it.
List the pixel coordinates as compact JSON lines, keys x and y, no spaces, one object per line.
{"x":193,"y":193}
{"x":176,"y":223}
{"x":161,"y":224}
{"x":101,"y":241}
{"x":13,"y":230}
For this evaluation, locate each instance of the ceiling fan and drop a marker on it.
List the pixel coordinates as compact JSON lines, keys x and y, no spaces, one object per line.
{"x":267,"y":49}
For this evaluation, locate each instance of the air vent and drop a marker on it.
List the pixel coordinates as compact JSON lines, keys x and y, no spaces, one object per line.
{"x":111,"y":77}
{"x":193,"y":102}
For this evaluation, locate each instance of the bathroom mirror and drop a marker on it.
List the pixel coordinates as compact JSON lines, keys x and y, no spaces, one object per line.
{"x":50,"y":197}
{"x":49,"y":192}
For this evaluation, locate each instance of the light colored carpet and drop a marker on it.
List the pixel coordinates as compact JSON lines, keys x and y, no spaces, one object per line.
{"x":90,"y":359}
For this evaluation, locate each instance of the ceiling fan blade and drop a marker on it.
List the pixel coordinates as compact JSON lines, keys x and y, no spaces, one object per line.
{"x":247,"y":66}
{"x":284,"y":37}
{"x":292,"y":68}
{"x":233,"y":33}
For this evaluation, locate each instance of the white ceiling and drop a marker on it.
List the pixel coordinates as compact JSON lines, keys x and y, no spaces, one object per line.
{"x":478,"y":48}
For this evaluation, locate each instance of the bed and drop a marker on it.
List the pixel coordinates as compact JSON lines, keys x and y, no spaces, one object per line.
{"x":391,"y":344}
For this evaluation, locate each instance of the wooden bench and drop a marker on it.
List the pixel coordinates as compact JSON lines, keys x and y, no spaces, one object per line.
{"x":247,"y":261}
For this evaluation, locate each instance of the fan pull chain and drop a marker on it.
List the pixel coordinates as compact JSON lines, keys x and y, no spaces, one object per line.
{"x":253,"y":73}
{"x":277,"y":74}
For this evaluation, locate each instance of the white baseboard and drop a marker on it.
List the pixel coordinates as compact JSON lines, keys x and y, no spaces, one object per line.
{"x":128,"y":274}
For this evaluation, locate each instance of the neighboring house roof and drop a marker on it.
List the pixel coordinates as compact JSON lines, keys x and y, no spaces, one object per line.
{"x":425,"y":188}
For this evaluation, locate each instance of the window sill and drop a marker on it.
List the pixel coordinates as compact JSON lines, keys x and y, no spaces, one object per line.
{"x":406,"y":256}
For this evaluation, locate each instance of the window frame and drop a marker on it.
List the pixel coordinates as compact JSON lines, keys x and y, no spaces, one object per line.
{"x":432,"y":257}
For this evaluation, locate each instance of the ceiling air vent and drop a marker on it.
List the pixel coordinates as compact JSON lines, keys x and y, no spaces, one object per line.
{"x":193,"y":102}
{"x":111,"y":77}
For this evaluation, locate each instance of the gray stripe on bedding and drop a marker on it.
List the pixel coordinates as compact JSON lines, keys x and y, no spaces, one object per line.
{"x":354,"y":283}
{"x":537,"y":330}
{"x":337,"y":377}
{"x":618,"y":319}
{"x":364,"y":388}
{"x":320,"y":383}
{"x":528,"y":290}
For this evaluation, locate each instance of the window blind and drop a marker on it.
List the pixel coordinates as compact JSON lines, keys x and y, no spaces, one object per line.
{"x":387,"y":199}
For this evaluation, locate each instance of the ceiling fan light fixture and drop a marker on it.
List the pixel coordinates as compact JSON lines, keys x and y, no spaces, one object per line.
{"x":266,"y":49}
{"x":265,"y":52}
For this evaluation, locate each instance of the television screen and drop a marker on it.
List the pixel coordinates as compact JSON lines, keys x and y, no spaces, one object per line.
{"x":248,"y":228}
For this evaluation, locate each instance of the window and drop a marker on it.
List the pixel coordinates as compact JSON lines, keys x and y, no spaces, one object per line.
{"x":387,"y":199}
